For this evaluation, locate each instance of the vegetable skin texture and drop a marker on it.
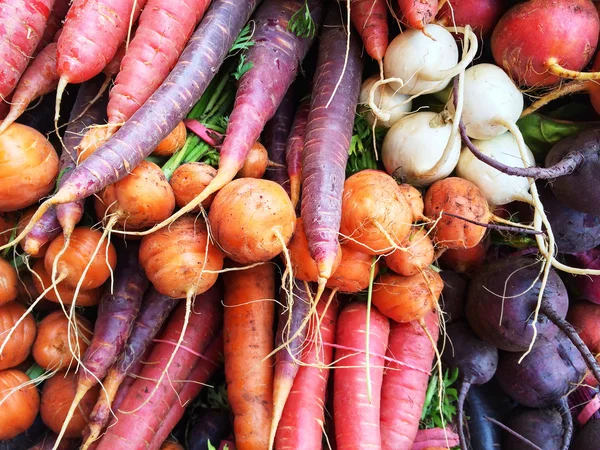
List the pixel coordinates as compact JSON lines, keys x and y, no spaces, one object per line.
{"x":543,"y":427}
{"x":83,"y":51}
{"x":42,"y":281}
{"x":248,"y":340}
{"x":293,"y":150}
{"x":189,"y":180}
{"x":19,"y":343}
{"x":369,"y":17}
{"x":204,"y":322}
{"x":355,"y":431}
{"x":23,"y":26}
{"x":418,"y":13}
{"x":300,"y":424}
{"x":164,"y":28}
{"x":353,"y":273}
{"x":165,"y":108}
{"x":53,"y":24}
{"x":20,"y":407}
{"x":154,"y":311}
{"x":325,"y":150}
{"x":8,"y":282}
{"x":482,"y":15}
{"x":24,"y":150}
{"x":403,"y":389}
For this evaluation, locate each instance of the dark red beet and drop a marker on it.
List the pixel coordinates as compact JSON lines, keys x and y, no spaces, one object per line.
{"x":512,"y":278}
{"x":587,"y":287}
{"x":453,"y":295}
{"x":543,"y":427}
{"x":482,"y":15}
{"x":588,"y":438}
{"x":546,"y":375}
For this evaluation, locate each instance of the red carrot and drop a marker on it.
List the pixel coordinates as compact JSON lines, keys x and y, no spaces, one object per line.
{"x":116,"y":314}
{"x":435,"y":438}
{"x":286,"y":366}
{"x":23,"y":22}
{"x":135,"y":428}
{"x":200,"y":375}
{"x":404,"y":388}
{"x":356,"y":398}
{"x":154,"y":311}
{"x":164,"y":28}
{"x":293,"y":150}
{"x":418,"y":13}
{"x":53,"y":24}
{"x":304,"y":414}
{"x":328,"y":134}
{"x":275,"y":135}
{"x":369,"y":17}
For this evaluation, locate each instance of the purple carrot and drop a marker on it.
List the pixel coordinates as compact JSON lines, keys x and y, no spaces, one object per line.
{"x":293,"y":150}
{"x":275,"y":136}
{"x":286,"y":366}
{"x":139,"y":136}
{"x":69,"y":214}
{"x":116,"y":313}
{"x":154,"y":311}
{"x":327,"y":140}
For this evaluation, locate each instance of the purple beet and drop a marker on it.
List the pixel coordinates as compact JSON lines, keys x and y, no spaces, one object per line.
{"x":587,"y":287}
{"x":589,"y":437}
{"x":453,"y":295}
{"x":547,"y":428}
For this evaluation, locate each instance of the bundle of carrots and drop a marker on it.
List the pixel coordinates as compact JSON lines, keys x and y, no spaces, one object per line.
{"x":223,"y":225}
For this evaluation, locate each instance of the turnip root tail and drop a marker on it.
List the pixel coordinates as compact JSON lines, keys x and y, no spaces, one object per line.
{"x":556,"y":69}
{"x":564,"y":90}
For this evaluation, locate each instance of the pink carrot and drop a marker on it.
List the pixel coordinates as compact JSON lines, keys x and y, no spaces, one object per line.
{"x":418,"y":13}
{"x":356,"y":408}
{"x":403,"y":391}
{"x":370,"y":18}
{"x":53,"y":24}
{"x":435,"y":438}
{"x":294,"y":147}
{"x":23,"y":24}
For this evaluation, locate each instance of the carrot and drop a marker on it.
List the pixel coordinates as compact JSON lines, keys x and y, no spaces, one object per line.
{"x":405,"y":299}
{"x":304,"y":413}
{"x":353,"y":273}
{"x":17,"y":344}
{"x":256,"y":162}
{"x":57,"y":395}
{"x":248,"y":340}
{"x":189,"y":180}
{"x":23,"y":26}
{"x":418,"y":13}
{"x":404,"y":387}
{"x":326,"y":146}
{"x":53,"y":24}
{"x":36,"y":242}
{"x":417,"y":254}
{"x":414,"y":199}
{"x":24,"y":150}
{"x":8,"y":282}
{"x":39,"y":79}
{"x":357,"y":386}
{"x":49,"y":441}
{"x":83,"y":50}
{"x":293,"y":150}
{"x":163,"y":30}
{"x":54,"y":344}
{"x":275,"y":136}
{"x":66,"y":293}
{"x":69,"y":214}
{"x":286,"y":360}
{"x":174,"y":141}
{"x":20,"y":404}
{"x":252,"y":220}
{"x":135,"y":427}
{"x":274,"y":59}
{"x":199,"y":376}
{"x":370,"y":19}
{"x":154,"y":311}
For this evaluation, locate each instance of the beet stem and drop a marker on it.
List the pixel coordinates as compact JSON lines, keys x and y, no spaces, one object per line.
{"x":563,"y":408}
{"x":496,"y":226}
{"x":570,"y":332}
{"x":512,"y":432}
{"x":462,"y":395}
{"x":567,"y":165}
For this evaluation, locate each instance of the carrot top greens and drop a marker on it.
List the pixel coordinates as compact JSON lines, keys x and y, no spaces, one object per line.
{"x":302,"y":23}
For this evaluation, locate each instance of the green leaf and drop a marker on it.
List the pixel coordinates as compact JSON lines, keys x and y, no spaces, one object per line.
{"x":244,"y":40}
{"x":60,"y":175}
{"x":432,"y":416}
{"x":210,"y":446}
{"x":361,"y":154}
{"x":302,"y":23}
{"x":242,"y":67}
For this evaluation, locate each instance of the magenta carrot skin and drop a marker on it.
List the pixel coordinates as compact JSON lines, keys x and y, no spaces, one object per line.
{"x":276,"y":57}
{"x":327,"y":140}
{"x":293,"y":150}
{"x":205,"y":368}
{"x":357,"y":419}
{"x":205,"y":320}
{"x":53,"y":24}
{"x":163,"y":30}
{"x":403,"y":390}
{"x":38,"y":79}
{"x":418,"y":13}
{"x":435,"y":437}
{"x":116,"y":314}
{"x":135,"y":140}
{"x":23,"y":24}
{"x":275,"y":136}
{"x":67,"y":215}
{"x":89,"y":40}
{"x":154,"y":311}
{"x":299,"y":427}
